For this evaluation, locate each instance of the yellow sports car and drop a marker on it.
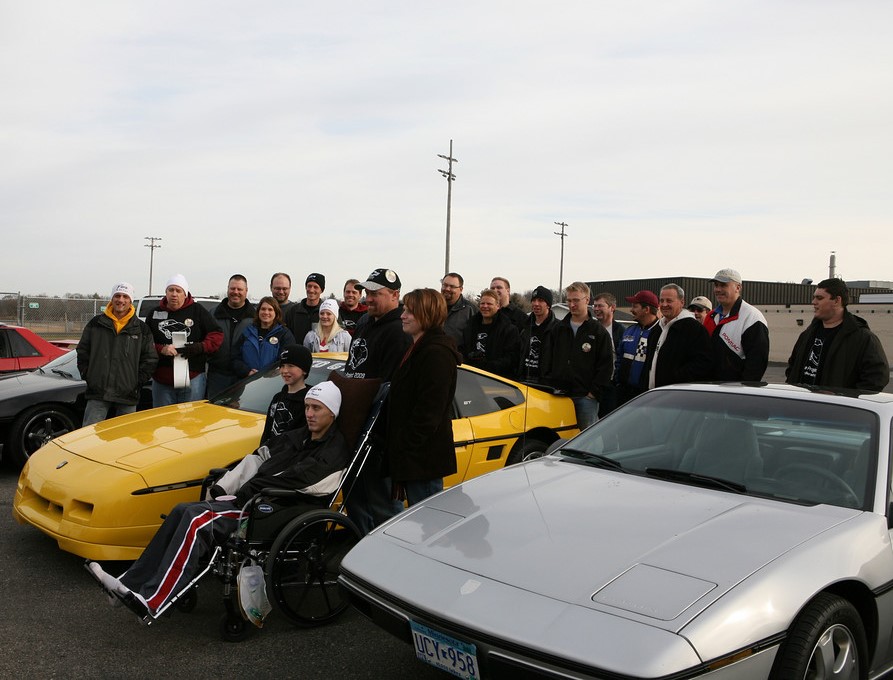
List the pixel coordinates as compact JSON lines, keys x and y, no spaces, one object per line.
{"x":100,"y":491}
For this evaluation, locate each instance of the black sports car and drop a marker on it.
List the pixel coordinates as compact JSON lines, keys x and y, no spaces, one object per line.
{"x":39,"y":405}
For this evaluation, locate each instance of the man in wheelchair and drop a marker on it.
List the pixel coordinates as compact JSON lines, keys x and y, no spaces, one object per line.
{"x":310,"y":459}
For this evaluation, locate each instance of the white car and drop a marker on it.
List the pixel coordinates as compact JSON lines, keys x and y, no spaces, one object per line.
{"x":700,"y":531}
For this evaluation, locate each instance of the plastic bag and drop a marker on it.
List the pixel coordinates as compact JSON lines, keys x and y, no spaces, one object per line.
{"x":252,"y":592}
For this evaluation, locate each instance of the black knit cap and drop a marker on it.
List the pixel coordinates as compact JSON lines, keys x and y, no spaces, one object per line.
{"x":543,"y":294}
{"x":317,"y":278}
{"x":296,"y":355}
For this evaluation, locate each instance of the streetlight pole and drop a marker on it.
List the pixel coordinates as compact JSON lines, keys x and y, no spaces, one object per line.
{"x":450,"y":178}
{"x":151,"y":245}
{"x":562,"y":234}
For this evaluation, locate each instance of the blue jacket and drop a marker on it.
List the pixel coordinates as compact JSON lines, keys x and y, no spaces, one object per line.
{"x":259,"y":352}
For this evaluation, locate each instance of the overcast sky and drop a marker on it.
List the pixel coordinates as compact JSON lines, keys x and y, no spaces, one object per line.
{"x":673,"y":137}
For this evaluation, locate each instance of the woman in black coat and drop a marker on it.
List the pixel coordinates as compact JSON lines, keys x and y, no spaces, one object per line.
{"x":420,"y":444}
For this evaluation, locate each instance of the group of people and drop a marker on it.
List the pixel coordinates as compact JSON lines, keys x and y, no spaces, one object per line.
{"x":417,"y":345}
{"x":405,"y":344}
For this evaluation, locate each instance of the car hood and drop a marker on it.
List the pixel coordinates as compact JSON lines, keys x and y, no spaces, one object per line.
{"x":651,"y":550}
{"x":13,"y":384}
{"x":146,"y":438}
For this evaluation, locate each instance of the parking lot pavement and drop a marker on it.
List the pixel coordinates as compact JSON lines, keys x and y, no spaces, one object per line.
{"x":58,"y":624}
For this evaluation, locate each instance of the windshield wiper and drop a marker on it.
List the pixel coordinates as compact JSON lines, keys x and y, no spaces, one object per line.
{"x":592,"y":459}
{"x":696,"y":478}
{"x":64,"y":374}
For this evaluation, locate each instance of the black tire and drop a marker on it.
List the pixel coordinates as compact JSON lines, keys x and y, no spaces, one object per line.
{"x":827,"y":640}
{"x":303,"y":565}
{"x":34,"y":428}
{"x":233,"y":628}
{"x":526,"y":448}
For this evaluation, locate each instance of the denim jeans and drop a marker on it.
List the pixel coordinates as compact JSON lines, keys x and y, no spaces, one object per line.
{"x":97,"y":410}
{"x":370,"y":503}
{"x":587,"y":411}
{"x":419,"y":491}
{"x":165,"y":395}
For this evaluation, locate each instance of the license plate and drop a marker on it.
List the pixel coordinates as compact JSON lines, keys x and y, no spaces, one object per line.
{"x":444,"y":652}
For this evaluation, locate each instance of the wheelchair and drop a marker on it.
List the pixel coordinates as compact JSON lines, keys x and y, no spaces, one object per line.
{"x":298,"y":540}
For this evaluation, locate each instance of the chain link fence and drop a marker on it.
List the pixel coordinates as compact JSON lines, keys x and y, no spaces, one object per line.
{"x":54,"y":318}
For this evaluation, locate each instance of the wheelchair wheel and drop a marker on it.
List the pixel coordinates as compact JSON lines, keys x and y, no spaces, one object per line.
{"x":233,"y":628}
{"x":303,"y":564}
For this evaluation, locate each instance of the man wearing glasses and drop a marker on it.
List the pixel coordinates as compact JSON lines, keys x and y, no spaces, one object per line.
{"x":459,"y":310}
{"x":578,"y":356}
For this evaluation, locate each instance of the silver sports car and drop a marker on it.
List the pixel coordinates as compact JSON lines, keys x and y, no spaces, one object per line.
{"x":700,"y":531}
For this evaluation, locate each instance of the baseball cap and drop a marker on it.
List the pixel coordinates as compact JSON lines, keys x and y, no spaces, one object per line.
{"x":380,"y":278}
{"x":644,"y":297}
{"x":727,"y":275}
{"x":700,"y":302}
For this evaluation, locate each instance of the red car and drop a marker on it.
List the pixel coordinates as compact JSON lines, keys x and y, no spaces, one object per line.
{"x":22,"y":350}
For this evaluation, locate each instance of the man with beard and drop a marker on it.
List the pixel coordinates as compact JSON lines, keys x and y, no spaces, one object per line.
{"x":837,"y":349}
{"x":459,"y":310}
{"x":378,"y":346}
{"x":280,"y":289}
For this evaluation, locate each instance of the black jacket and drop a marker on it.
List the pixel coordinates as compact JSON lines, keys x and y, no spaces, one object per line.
{"x":296,"y":462}
{"x":377,"y":347}
{"x":683,"y":354}
{"x":501,"y":351}
{"x":420,"y":410}
{"x":116,"y":365}
{"x":203,"y":336}
{"x":855,"y":359}
{"x":515,"y":314}
{"x":300,"y":319}
{"x":533,"y":342}
{"x":580,"y":363}
{"x":285,"y":412}
{"x":232,"y":322}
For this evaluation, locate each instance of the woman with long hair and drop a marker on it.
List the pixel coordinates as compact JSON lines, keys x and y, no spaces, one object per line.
{"x":327,"y":335}
{"x":260,"y":343}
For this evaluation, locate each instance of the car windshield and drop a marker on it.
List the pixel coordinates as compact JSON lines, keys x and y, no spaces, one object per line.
{"x":65,"y":366}
{"x":254,"y":393}
{"x":787,"y":449}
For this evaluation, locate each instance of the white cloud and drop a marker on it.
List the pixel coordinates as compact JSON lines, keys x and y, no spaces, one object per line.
{"x":673,"y":138}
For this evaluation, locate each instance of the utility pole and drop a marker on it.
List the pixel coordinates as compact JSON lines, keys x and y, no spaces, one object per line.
{"x":450,"y":178}
{"x":151,"y":245}
{"x":562,"y":234}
